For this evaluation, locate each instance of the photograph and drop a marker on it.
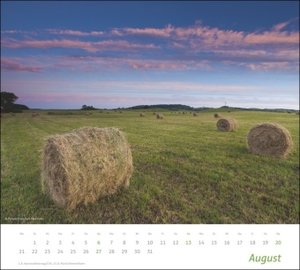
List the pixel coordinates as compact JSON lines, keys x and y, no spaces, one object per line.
{"x":150,"y":112}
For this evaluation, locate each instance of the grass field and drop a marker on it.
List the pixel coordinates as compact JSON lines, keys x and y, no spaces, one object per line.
{"x":185,"y":171}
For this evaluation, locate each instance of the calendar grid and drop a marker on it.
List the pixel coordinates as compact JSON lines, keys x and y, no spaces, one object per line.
{"x":157,"y":246}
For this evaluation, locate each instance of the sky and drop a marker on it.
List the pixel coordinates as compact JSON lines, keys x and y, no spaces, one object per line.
{"x":110,"y":54}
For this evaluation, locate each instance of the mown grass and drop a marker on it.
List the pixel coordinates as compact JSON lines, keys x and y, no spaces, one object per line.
{"x":185,"y":170}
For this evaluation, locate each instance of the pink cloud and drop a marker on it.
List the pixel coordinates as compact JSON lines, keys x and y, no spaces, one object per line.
{"x":14,"y":65}
{"x":93,"y":63}
{"x":215,"y":37}
{"x":13,"y":32}
{"x":69,"y":32}
{"x":108,"y":45}
{"x":265,"y":66}
{"x":168,"y":64}
{"x":272,"y":37}
{"x":280,"y":26}
{"x":261,"y":54}
{"x":196,"y":47}
{"x":156,"y":32}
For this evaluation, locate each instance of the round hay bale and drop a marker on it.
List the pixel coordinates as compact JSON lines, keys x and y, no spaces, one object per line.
{"x":85,"y":164}
{"x":226,"y":124}
{"x":216,"y":115}
{"x":159,"y":116}
{"x":142,"y":115}
{"x":195,"y":114}
{"x":269,"y":139}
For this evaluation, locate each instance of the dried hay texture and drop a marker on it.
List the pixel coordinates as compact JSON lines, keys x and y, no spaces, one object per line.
{"x":195,"y":114}
{"x":85,"y":164}
{"x":159,"y":116}
{"x":269,"y":139}
{"x":142,"y":115}
{"x":216,"y":115}
{"x":226,"y":124}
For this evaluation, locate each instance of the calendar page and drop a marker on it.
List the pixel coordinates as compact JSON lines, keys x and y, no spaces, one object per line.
{"x":149,"y":134}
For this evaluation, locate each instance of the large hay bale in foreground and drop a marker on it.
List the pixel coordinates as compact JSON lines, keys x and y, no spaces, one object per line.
{"x":85,"y":164}
{"x":269,"y":139}
{"x":226,"y":124}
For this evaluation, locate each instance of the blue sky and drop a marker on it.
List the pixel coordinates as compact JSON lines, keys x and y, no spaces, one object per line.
{"x":119,"y":54}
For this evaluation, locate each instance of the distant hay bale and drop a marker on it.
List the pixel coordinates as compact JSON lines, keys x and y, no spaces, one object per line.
{"x":226,"y":124}
{"x":195,"y":114}
{"x":216,"y":115}
{"x":269,"y":139}
{"x":159,"y":116}
{"x":142,"y":115}
{"x":85,"y":165}
{"x":154,"y":113}
{"x":35,"y":114}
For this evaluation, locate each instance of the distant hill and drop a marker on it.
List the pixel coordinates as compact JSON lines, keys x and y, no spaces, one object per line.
{"x":175,"y":107}
{"x":224,"y":108}
{"x":180,"y":107}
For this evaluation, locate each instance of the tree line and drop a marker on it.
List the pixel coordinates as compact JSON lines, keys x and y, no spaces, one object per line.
{"x":8,"y":104}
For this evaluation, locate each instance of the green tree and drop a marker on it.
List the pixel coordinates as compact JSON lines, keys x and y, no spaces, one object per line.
{"x":7,"y":99}
{"x":8,"y":103}
{"x":86,"y":108}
